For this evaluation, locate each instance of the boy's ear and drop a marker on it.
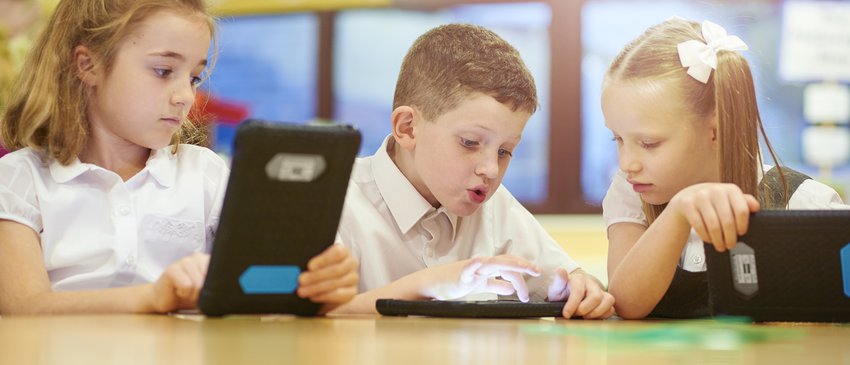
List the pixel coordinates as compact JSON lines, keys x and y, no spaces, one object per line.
{"x":85,"y":65}
{"x":402,"y":123}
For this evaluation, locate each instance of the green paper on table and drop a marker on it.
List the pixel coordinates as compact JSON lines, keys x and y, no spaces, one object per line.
{"x":724,"y":333}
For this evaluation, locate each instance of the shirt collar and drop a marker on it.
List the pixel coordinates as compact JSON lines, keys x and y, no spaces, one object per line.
{"x":62,"y":174}
{"x":161,"y":164}
{"x":406,"y":205}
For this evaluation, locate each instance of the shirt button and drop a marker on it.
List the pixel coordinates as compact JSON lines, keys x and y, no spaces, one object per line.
{"x":130,"y":260}
{"x":697,"y":259}
{"x":123,"y":210}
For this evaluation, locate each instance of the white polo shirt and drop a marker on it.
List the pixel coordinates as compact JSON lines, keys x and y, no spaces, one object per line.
{"x":393,"y":231}
{"x":98,"y":231}
{"x":622,"y":204}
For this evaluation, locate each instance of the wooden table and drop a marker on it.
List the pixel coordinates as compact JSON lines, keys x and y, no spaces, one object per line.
{"x":153,"y":339}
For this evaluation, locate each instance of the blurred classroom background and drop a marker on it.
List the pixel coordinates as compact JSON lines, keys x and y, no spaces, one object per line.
{"x":337,"y":60}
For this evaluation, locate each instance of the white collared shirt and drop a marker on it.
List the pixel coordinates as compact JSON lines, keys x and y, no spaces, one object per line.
{"x":393,"y":231}
{"x":622,"y":204}
{"x":98,"y":231}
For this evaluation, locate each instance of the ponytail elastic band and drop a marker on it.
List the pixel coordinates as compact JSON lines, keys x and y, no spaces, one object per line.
{"x":700,"y":58}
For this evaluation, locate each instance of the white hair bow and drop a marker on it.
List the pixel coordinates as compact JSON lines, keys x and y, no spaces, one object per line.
{"x":700,"y":58}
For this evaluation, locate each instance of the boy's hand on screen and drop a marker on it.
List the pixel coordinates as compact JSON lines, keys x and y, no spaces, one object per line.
{"x":584,"y":294}
{"x":179,"y":286}
{"x":331,"y":278}
{"x":719,"y":213}
{"x":502,"y":275}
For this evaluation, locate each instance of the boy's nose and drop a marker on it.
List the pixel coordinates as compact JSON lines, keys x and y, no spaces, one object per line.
{"x":488,"y":167}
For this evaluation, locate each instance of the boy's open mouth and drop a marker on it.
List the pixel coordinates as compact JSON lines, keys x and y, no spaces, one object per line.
{"x":477,"y":195}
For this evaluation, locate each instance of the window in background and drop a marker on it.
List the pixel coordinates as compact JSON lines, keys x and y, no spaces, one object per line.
{"x":267,"y":63}
{"x":370,"y":45}
{"x":758,"y":24}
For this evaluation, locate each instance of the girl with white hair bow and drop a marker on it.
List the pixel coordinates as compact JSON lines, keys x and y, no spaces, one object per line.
{"x":681,"y":104}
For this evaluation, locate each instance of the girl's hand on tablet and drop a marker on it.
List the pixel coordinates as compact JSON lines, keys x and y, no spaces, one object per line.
{"x":719,"y":213}
{"x":179,"y":286}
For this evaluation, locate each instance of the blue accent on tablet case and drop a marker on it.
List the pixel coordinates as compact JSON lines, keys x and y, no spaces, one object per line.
{"x":265,"y":279}
{"x":845,"y":268}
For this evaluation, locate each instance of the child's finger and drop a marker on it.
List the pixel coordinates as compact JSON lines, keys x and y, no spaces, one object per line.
{"x":333,"y":270}
{"x":330,"y":255}
{"x":327,"y":275}
{"x":499,"y":264}
{"x":753,"y":203}
{"x":608,"y":311}
{"x":324,"y":286}
{"x":741,"y":207}
{"x":519,"y":264}
{"x":605,"y":306}
{"x":726,"y":216}
{"x":340,"y":295}
{"x":180,"y":279}
{"x":192,"y":266}
{"x":470,"y":271}
{"x":558,"y":288}
{"x":499,"y":287}
{"x":518,"y":283}
{"x":577,"y":290}
{"x":592,"y":299}
{"x":712,"y":225}
{"x":695,"y":220}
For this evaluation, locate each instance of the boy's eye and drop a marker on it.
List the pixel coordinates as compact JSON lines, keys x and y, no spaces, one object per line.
{"x":503,"y":153}
{"x":617,"y":139}
{"x":468,"y":142}
{"x":163,"y":72}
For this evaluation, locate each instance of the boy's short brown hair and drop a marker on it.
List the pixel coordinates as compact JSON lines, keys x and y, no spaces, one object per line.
{"x":450,"y":62}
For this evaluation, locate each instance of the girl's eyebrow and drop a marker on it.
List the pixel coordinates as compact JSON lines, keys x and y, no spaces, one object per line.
{"x":175,"y":55}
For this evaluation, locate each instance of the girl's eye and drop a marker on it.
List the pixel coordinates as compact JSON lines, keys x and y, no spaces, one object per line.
{"x":505,"y":153}
{"x":617,"y":139}
{"x":649,"y":145}
{"x":196,"y":80}
{"x":163,"y":72}
{"x":468,"y":142}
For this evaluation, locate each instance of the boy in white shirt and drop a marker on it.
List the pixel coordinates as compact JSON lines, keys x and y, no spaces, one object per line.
{"x":427,"y":216}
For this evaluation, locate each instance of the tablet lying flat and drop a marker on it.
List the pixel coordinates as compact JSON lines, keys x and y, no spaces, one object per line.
{"x":790,"y":266}
{"x":282,"y":207}
{"x":469,"y":309}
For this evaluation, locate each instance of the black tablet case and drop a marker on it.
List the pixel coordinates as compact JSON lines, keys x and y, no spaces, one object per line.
{"x":278,"y":221}
{"x":794,"y":272}
{"x":469,"y":309}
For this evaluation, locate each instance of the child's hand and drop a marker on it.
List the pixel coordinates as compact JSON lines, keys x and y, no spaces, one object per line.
{"x":179,"y":286}
{"x":718,"y":212}
{"x":331,"y":278}
{"x":585,"y":296}
{"x":478,"y":275}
